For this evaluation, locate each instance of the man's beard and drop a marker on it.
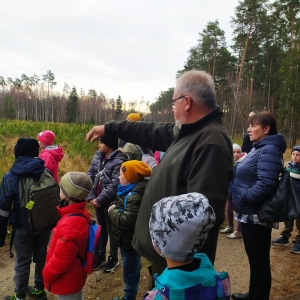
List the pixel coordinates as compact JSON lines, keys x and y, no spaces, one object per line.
{"x":177,"y":123}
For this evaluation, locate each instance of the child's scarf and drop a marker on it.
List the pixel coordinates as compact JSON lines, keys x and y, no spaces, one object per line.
{"x":125,"y":189}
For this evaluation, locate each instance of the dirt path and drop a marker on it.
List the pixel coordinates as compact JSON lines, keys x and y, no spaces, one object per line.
{"x":231,"y":257}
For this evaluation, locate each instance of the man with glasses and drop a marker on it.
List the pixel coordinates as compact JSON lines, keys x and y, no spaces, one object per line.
{"x":198,"y":157}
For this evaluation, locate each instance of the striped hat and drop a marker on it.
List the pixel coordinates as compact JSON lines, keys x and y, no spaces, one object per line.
{"x":76,"y":185}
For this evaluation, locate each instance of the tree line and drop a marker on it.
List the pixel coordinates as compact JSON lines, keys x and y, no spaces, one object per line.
{"x":258,"y":70}
{"x":33,"y":98}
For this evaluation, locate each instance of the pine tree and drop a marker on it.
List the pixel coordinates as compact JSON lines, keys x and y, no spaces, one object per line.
{"x":119,"y":105}
{"x":72,"y":109}
{"x":8,"y":111}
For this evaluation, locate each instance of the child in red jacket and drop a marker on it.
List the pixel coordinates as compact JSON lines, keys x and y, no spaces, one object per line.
{"x":63,"y":273}
{"x":50,"y":154}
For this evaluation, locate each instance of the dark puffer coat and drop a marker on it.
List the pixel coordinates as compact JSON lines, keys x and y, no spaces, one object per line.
{"x":123,"y":221}
{"x":109,"y":176}
{"x":257,"y":175}
{"x":198,"y":159}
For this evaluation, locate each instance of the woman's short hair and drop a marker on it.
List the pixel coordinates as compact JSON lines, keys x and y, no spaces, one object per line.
{"x":264,"y":119}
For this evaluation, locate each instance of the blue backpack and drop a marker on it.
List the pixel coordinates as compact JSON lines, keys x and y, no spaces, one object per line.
{"x":91,"y":254}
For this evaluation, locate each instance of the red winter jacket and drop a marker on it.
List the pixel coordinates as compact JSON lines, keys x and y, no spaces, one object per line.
{"x":52,"y":155}
{"x":63,"y":273}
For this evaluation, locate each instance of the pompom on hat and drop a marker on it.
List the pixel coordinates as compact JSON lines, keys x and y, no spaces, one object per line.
{"x":27,"y":147}
{"x":46,"y":137}
{"x":76,"y":185}
{"x":236,"y":146}
{"x":135,"y":170}
{"x":134,"y":117}
{"x":179,"y":225}
{"x":109,"y":141}
{"x":296,"y":148}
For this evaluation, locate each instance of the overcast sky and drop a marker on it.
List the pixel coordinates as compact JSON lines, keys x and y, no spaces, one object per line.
{"x":131,"y":48}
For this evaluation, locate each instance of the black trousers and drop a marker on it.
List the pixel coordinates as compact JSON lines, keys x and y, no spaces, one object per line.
{"x":257,"y":242}
{"x":104,"y":220}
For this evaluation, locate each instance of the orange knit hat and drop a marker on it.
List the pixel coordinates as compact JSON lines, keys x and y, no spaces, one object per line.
{"x":135,"y":170}
{"x":134,"y":117}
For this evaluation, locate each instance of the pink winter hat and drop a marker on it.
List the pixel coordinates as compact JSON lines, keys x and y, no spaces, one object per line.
{"x":47,"y":137}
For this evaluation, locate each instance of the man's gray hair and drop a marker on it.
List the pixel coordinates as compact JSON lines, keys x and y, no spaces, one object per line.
{"x":199,"y":85}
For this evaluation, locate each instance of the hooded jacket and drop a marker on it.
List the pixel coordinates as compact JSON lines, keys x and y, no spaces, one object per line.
{"x":257,"y":175}
{"x":52,"y":155}
{"x":106,"y":173}
{"x":202,"y":283}
{"x":135,"y":151}
{"x":63,"y":273}
{"x":9,"y":193}
{"x":198,"y":159}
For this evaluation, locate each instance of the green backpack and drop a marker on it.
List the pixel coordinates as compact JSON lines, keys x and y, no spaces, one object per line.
{"x":39,"y":197}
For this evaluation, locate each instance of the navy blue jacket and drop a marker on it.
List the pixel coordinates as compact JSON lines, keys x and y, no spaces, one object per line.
{"x":109,"y":177}
{"x":9,"y":190}
{"x":257,"y":175}
{"x":235,"y":165}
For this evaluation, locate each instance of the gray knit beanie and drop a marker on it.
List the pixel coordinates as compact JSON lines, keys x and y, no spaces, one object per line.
{"x":76,"y":185}
{"x":180,"y":224}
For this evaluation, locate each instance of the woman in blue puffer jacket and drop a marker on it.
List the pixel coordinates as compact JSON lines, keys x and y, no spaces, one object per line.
{"x":256,"y":180}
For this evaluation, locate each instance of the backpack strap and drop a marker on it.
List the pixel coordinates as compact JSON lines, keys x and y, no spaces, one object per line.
{"x":11,"y":255}
{"x":140,"y":149}
{"x":102,"y":172}
{"x":125,"y":199}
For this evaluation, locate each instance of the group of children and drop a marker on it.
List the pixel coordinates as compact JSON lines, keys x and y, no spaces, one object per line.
{"x":115,"y":187}
{"x":29,"y":162}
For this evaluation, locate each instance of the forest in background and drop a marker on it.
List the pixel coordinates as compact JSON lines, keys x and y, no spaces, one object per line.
{"x":258,"y":70}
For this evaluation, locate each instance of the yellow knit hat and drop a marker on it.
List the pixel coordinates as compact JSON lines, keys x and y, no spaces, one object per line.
{"x":134,"y":117}
{"x":135,"y":170}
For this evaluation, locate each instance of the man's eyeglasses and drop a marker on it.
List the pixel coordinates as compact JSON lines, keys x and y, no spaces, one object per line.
{"x":172,"y":102}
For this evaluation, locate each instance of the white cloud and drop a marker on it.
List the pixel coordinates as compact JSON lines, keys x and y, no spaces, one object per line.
{"x":129,"y":48}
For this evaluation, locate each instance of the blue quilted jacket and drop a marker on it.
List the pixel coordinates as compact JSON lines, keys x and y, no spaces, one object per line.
{"x":257,"y":175}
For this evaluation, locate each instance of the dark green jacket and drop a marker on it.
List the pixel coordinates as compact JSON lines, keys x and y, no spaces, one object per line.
{"x":123,"y":220}
{"x":198,"y":159}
